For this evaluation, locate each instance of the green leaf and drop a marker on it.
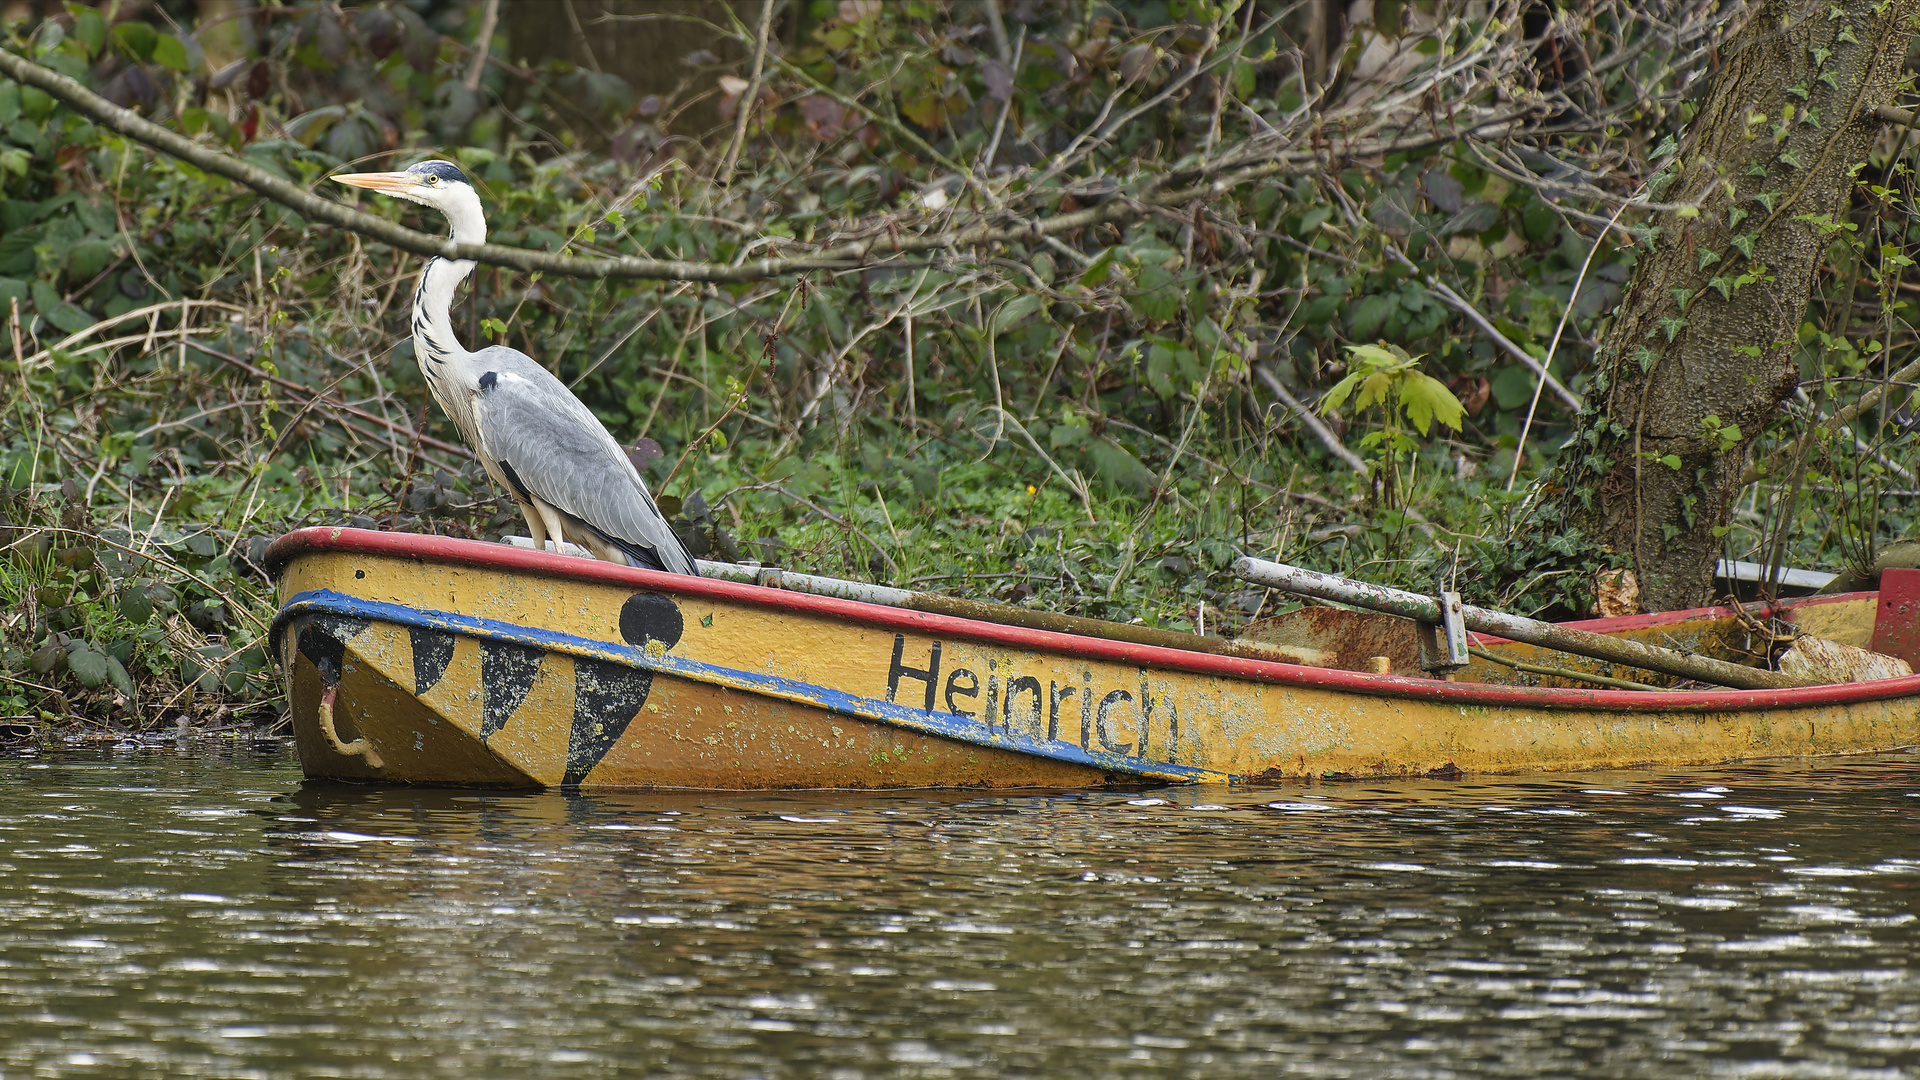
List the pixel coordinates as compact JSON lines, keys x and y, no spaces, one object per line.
{"x":1014,"y":311}
{"x":1157,"y":299}
{"x":1388,"y":358}
{"x":1512,"y":387}
{"x":137,"y":38}
{"x":1374,"y":389}
{"x":1341,"y":390}
{"x":168,"y":52}
{"x":1242,"y":81}
{"x":88,"y":666}
{"x":1539,"y":221}
{"x":86,"y":259}
{"x":1671,"y":461}
{"x":90,"y":30}
{"x":117,"y":675}
{"x":1368,"y":314}
{"x":1426,"y":399}
{"x":1099,"y":269}
{"x":61,"y":314}
{"x":1163,"y":365}
{"x":136,"y":606}
{"x":1117,"y":466}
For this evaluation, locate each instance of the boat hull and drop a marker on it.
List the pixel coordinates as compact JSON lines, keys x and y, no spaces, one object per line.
{"x":454,"y":662}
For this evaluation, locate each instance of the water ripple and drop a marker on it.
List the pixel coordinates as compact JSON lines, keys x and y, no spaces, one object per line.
{"x":204,"y":913}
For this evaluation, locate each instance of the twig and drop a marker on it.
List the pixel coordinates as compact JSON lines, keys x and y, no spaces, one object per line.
{"x":1327,"y":438}
{"x":585,"y":45}
{"x":752,"y":95}
{"x":1078,"y":487}
{"x":339,"y":405}
{"x":1226,"y":471}
{"x":489,"y":17}
{"x":151,"y":557}
{"x":1000,"y":125}
{"x":1439,"y":288}
{"x":1861,"y":404}
{"x":999,"y":27}
{"x":830,"y":516}
{"x":1559,"y":673}
{"x":1520,"y":448}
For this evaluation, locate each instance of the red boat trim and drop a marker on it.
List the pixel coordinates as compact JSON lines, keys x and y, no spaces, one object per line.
{"x":508,"y":559}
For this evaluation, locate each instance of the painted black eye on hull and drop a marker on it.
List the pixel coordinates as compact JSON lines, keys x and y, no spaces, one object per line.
{"x":651,"y":617}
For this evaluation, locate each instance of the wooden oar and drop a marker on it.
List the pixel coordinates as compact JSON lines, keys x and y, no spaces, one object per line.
{"x":1514,"y":627}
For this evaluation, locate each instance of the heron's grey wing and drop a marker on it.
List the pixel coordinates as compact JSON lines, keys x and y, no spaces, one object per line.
{"x":552,"y":444}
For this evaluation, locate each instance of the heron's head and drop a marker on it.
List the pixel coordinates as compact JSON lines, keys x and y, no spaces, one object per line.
{"x":439,"y":184}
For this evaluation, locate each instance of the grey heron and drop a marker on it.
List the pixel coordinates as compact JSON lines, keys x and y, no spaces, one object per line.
{"x":537,"y":440}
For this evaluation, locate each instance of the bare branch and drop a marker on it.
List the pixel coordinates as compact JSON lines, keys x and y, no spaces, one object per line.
{"x":752,"y":95}
{"x":1779,"y":458}
{"x":886,"y":240}
{"x":489,"y":18}
{"x":1320,"y":431}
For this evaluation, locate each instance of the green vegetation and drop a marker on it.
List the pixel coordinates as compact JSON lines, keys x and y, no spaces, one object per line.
{"x":1094,"y":423}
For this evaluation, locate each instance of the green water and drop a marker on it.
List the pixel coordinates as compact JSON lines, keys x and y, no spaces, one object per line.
{"x":200,"y":911}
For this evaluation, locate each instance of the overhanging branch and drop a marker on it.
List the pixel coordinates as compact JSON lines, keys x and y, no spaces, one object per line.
{"x":1207,"y":181}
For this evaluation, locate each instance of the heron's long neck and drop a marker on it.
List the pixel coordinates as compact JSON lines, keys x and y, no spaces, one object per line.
{"x":442,"y":358}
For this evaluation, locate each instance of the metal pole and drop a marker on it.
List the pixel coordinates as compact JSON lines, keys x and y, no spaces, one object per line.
{"x":1514,"y":627}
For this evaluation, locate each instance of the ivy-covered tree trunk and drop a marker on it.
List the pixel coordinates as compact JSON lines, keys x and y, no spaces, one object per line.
{"x":1700,"y":352}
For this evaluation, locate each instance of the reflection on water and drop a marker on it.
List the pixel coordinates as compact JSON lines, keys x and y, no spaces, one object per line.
{"x":205,"y":913}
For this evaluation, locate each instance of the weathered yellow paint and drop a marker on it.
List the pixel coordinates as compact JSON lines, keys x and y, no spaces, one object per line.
{"x":694,"y":734}
{"x":435,"y":738}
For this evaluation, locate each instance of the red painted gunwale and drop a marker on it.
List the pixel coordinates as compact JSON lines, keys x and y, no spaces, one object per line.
{"x":505,"y":558}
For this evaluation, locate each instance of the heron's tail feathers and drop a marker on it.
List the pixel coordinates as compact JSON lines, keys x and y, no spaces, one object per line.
{"x":651,"y":557}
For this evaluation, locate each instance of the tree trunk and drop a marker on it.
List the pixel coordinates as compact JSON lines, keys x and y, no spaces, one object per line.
{"x":1710,"y":321}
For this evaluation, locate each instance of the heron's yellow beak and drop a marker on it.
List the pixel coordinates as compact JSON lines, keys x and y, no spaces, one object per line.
{"x":389,"y":183}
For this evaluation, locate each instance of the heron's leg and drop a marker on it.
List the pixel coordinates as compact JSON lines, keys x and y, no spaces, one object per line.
{"x":535,"y":529}
{"x":556,"y":525}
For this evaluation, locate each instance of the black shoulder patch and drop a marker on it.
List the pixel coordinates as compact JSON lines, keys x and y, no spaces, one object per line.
{"x":487,"y":380}
{"x":514,"y":479}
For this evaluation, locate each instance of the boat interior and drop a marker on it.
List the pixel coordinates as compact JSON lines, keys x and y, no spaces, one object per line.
{"x":1754,"y":635}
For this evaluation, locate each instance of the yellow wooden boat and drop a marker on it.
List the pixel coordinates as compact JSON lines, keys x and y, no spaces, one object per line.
{"x":426,"y":660}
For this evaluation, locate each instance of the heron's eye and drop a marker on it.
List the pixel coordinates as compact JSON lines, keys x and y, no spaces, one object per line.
{"x":431,"y":179}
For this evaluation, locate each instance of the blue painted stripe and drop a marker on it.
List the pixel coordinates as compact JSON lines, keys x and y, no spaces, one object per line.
{"x":946,"y":725}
